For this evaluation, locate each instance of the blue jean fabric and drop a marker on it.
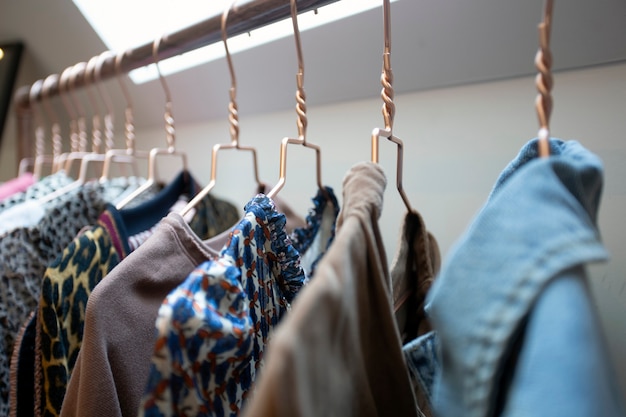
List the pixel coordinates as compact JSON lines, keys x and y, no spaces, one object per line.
{"x":516,"y":331}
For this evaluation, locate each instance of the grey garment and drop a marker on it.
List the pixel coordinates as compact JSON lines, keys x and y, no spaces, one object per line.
{"x":38,"y":190}
{"x":24,"y":255}
{"x":338,"y":352}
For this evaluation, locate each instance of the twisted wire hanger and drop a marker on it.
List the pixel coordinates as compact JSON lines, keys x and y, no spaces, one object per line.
{"x":40,"y":157}
{"x":544,"y":80}
{"x":97,"y":154}
{"x":69,"y":109}
{"x":129,"y":155}
{"x":389,"y":108}
{"x":302,"y":120}
{"x":170,"y":136}
{"x":96,"y":125}
{"x":233,"y":119}
{"x":79,"y":136}
{"x":109,"y":137}
{"x":55,"y":129}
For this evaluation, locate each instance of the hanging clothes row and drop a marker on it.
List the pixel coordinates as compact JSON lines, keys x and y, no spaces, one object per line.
{"x":278,"y":252}
{"x":126,"y":296}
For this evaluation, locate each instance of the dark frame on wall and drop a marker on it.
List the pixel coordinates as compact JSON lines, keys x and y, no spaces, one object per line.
{"x":9,"y":64}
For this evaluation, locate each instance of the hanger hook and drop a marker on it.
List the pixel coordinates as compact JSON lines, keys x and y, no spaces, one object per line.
{"x":106,"y":99}
{"x":57,"y":143}
{"x":82,"y":128}
{"x":389,"y":108}
{"x":35,"y":89}
{"x":69,"y":108}
{"x":96,"y":138}
{"x":300,"y":95}
{"x":544,"y":80}
{"x":64,"y":93}
{"x":169,"y":118}
{"x":129,"y":120}
{"x":302,"y":119}
{"x":233,"y":114}
{"x":387,"y":93}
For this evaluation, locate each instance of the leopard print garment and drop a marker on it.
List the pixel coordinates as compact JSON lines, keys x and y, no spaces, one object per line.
{"x":24,"y":255}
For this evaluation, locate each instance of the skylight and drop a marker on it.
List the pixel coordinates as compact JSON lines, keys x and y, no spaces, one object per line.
{"x":124,"y":24}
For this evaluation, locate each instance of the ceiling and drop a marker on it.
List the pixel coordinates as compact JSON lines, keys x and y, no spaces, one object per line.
{"x":434,"y":44}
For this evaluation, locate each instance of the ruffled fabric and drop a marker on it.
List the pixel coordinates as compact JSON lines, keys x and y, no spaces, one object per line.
{"x":291,"y":277}
{"x":304,"y":237}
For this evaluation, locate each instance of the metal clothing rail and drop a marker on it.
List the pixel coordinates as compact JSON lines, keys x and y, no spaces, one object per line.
{"x":245,"y":18}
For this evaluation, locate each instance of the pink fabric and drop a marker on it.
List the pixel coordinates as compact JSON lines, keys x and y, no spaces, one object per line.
{"x":16,"y":185}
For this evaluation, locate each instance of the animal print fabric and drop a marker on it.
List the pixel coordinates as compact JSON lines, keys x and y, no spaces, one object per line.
{"x":38,"y":190}
{"x":70,"y":279}
{"x":24,"y":255}
{"x":214,"y":327}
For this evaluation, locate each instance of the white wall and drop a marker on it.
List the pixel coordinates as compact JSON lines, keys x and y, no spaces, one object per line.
{"x":457,"y":141}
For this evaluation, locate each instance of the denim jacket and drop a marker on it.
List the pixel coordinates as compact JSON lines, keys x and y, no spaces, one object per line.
{"x":516,"y":331}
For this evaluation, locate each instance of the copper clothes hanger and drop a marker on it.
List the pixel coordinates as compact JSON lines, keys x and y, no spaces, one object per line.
{"x":389,"y":107}
{"x":233,"y":118}
{"x":55,"y":129}
{"x":27,"y":163}
{"x":108,"y":125}
{"x":170,"y":134}
{"x":130,"y":155}
{"x":69,"y":109}
{"x":96,"y":154}
{"x":78,"y":129}
{"x":544,"y":80}
{"x":83,"y":156}
{"x":302,"y":119}
{"x":41,"y":158}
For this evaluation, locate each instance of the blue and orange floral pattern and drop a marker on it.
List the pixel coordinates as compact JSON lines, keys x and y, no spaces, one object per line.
{"x":212,"y":330}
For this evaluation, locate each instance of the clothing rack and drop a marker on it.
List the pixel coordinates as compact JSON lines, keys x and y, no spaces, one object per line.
{"x":245,"y":18}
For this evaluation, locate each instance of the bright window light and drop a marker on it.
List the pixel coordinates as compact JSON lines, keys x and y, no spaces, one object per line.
{"x":124,"y":24}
